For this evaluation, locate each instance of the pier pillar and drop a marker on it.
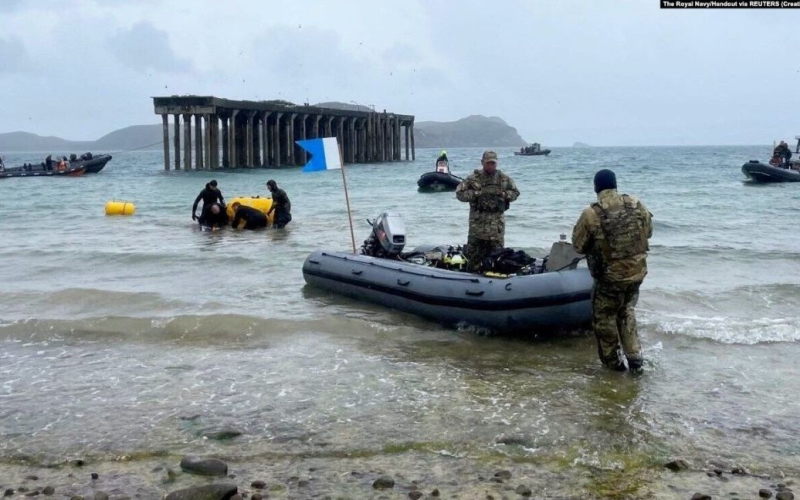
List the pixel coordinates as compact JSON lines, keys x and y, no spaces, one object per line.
{"x":226,"y":160}
{"x":408,"y":146}
{"x":187,"y":142}
{"x":176,"y":140}
{"x":264,"y":141}
{"x":328,"y":126}
{"x":398,"y":138}
{"x":165,"y":131}
{"x":233,"y":154}
{"x":214,"y":142}
{"x":352,"y":140}
{"x":413,"y":150}
{"x":303,"y":153}
{"x":199,"y":164}
{"x":205,"y":148}
{"x":277,"y":139}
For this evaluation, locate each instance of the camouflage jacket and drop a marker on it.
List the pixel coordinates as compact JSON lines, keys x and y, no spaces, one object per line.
{"x":615,"y":248}
{"x":488,"y":197}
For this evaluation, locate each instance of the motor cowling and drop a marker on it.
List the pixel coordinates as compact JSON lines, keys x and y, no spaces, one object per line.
{"x":388,"y":237}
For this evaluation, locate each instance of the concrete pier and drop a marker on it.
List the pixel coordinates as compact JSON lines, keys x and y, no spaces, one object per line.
{"x":263,"y":133}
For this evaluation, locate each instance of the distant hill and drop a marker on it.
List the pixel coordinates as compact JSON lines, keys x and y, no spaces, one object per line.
{"x":120,"y":140}
{"x":472,"y":131}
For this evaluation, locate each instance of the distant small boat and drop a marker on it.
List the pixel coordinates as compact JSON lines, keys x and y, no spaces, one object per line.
{"x":761,"y":172}
{"x":439,"y":180}
{"x":541,"y":152}
{"x":86,"y":164}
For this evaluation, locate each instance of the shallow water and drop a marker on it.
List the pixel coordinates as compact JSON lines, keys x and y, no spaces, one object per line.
{"x":141,"y":336}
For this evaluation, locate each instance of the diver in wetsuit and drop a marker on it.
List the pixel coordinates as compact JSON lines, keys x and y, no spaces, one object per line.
{"x":214,"y":216}
{"x":280,"y":204}
{"x":254,"y":219}
{"x":210,"y":195}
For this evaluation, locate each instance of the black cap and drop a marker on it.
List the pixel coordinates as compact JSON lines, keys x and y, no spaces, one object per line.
{"x":604,"y":179}
{"x":213,"y":183}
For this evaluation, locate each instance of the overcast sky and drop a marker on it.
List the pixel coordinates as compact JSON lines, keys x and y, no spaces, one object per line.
{"x":621,"y":72}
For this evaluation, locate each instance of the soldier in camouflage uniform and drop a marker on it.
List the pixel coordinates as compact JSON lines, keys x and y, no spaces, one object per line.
{"x":489,"y":193}
{"x":613,"y":234}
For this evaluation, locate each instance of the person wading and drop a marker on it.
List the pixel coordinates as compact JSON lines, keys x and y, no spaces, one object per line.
{"x":613,"y":233}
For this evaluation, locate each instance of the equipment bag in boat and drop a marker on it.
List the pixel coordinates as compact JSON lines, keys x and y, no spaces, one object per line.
{"x":508,"y":261}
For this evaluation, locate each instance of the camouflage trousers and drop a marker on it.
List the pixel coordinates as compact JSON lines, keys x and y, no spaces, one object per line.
{"x":614,"y":322}
{"x":478,"y":249}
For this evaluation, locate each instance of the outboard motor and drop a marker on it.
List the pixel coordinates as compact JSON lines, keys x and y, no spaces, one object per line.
{"x":388,"y":237}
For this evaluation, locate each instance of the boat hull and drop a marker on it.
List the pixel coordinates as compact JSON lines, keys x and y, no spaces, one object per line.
{"x":438,"y":181}
{"x":78,"y":167}
{"x":543,"y":152}
{"x":540,"y":303}
{"x":760,"y":172}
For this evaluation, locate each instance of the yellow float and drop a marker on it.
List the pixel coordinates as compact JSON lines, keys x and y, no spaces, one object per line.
{"x":261,"y":204}
{"x":120,"y":208}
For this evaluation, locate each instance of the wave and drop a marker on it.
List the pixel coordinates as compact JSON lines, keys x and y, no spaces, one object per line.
{"x":226,"y":330}
{"x":749,"y":314}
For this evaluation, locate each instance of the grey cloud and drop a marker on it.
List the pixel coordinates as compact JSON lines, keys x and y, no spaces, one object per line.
{"x":12,"y":55}
{"x":145,"y":47}
{"x":400,"y":53}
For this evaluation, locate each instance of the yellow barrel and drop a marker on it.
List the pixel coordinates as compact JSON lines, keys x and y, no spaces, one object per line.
{"x":261,"y":204}
{"x":120,"y":208}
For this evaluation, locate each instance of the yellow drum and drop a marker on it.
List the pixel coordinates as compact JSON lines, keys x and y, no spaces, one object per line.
{"x":261,"y":204}
{"x":120,"y":208}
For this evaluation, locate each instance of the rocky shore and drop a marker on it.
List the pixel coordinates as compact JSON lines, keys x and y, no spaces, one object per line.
{"x":411,"y":475}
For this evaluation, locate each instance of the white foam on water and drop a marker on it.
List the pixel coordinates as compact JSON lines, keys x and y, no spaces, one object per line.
{"x":728,"y":330}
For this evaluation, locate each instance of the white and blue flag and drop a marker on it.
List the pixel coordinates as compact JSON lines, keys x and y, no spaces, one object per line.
{"x":324,"y":154}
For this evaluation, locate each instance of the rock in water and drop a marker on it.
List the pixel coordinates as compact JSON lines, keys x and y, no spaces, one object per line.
{"x":764,"y":493}
{"x":222,"y":434}
{"x":383,"y":483}
{"x":259,"y":485}
{"x":415,"y":495}
{"x":209,"y":492}
{"x":701,"y":496}
{"x":48,"y":490}
{"x":101,"y":495}
{"x":523,"y":490}
{"x":8,"y":492}
{"x":204,"y":466}
{"x":677,"y":465}
{"x":785,"y":495}
{"x":503,"y":474}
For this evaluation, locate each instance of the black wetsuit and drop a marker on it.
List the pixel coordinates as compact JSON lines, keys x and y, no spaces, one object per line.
{"x":253,"y":218}
{"x":283,"y":208}
{"x":210,"y":219}
{"x":209,"y":197}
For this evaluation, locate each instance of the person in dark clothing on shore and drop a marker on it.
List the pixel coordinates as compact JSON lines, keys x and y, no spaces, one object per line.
{"x":210,"y":195}
{"x":280,"y":204}
{"x":253,"y":219}
{"x":214,"y":216}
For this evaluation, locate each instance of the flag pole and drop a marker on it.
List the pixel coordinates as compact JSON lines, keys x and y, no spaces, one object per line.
{"x":346,"y":197}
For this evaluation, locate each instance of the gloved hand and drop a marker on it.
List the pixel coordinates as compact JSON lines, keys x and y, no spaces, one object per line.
{"x":194,"y":216}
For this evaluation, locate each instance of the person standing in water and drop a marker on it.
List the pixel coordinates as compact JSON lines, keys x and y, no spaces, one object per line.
{"x":210,"y":195}
{"x":280,"y":204}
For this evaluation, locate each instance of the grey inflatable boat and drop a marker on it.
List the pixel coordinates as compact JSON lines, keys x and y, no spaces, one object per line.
{"x":760,"y":172}
{"x":545,"y":301}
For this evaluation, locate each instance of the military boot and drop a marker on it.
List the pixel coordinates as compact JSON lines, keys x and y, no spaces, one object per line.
{"x":635,"y":366}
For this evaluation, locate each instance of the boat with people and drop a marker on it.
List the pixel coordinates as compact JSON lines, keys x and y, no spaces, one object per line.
{"x":534,"y":149}
{"x":519,"y":294}
{"x":441,"y":179}
{"x":762,"y":172}
{"x":72,"y":166}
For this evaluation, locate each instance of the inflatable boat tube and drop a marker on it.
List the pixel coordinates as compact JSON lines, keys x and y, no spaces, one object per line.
{"x":548,"y":302}
{"x":760,"y":172}
{"x":438,"y":181}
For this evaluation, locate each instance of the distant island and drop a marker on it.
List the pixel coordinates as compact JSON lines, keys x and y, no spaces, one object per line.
{"x":472,"y":131}
{"x":581,"y":145}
